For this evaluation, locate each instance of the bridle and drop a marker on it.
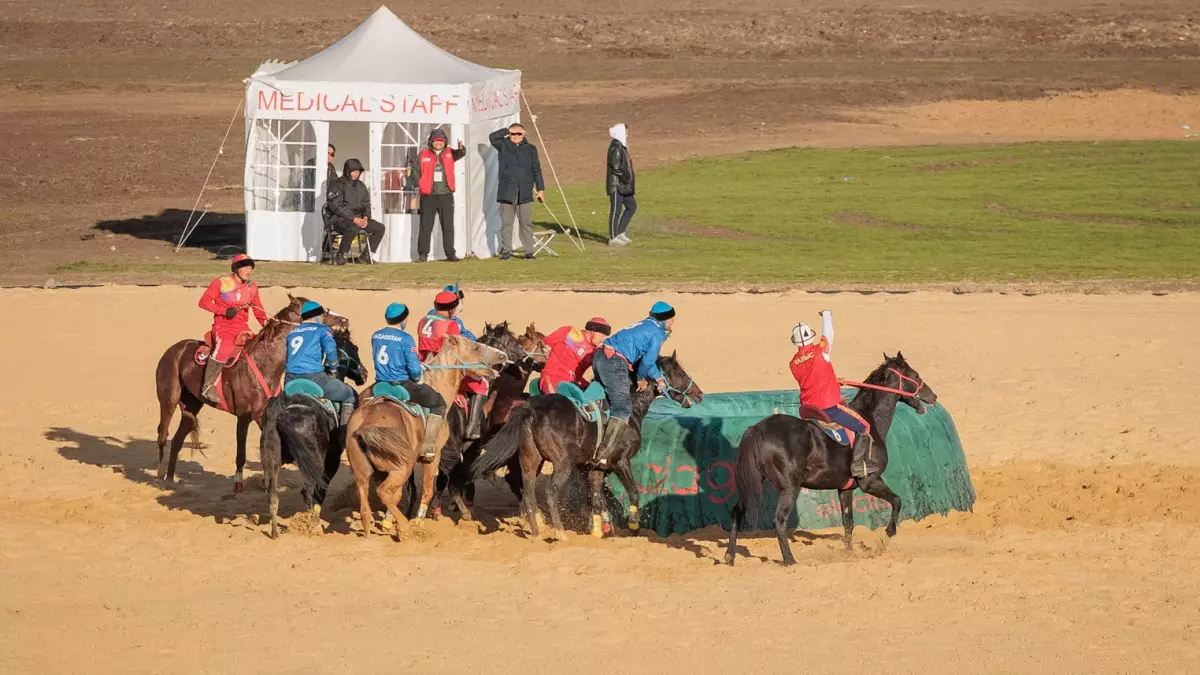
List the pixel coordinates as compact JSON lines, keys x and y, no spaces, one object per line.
{"x":920,"y":384}
{"x":683,"y":393}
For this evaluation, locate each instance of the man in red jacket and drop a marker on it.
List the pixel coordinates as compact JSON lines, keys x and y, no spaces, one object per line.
{"x":571,"y":352}
{"x":230,"y":299}
{"x":434,"y":177}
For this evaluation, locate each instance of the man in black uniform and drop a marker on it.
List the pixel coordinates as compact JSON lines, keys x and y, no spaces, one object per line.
{"x":348,"y":210}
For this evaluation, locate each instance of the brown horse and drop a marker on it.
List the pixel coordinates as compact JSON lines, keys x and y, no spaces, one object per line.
{"x":245,"y":386}
{"x":382,"y":436}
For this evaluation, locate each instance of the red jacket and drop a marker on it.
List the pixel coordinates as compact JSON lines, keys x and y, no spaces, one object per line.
{"x":813,"y":370}
{"x":431,"y":331}
{"x":428,"y":158}
{"x":230,"y":291}
{"x":570,"y":356}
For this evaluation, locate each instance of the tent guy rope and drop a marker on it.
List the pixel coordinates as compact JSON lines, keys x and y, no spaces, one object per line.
{"x":190,"y":227}
{"x":578,"y":238}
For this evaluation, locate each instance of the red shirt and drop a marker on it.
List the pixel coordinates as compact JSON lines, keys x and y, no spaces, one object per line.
{"x":431,"y":331}
{"x":230,"y":291}
{"x":570,"y":356}
{"x":814,"y":374}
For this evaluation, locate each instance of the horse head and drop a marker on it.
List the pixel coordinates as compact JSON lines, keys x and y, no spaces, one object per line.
{"x":500,"y":337}
{"x":895,"y":373}
{"x":474,"y":358}
{"x":681,"y":388}
{"x":534,"y":344}
{"x":349,"y":360}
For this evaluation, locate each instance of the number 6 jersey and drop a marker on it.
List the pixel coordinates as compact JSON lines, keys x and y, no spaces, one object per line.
{"x":395,"y":354}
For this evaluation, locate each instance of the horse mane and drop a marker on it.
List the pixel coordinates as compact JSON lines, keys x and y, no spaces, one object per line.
{"x":868,"y":398}
{"x":280,"y":323}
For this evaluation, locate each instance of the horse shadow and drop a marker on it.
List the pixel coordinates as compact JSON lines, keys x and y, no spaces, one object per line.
{"x":200,"y":492}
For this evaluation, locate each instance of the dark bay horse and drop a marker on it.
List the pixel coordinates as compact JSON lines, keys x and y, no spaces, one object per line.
{"x":793,"y":453}
{"x":299,"y":429}
{"x":550,"y":429}
{"x":246,"y":386}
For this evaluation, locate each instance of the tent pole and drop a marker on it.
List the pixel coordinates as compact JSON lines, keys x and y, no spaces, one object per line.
{"x":183,"y":237}
{"x":542,"y":142}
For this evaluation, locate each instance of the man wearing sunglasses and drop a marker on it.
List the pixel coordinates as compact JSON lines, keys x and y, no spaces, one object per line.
{"x":520,"y":182}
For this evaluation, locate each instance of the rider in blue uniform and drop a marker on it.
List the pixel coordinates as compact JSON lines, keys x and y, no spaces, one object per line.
{"x":614,"y":362}
{"x":396,"y":362}
{"x":313,"y":355}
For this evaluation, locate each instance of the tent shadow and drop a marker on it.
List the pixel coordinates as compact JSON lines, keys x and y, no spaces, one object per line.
{"x":218,"y":233}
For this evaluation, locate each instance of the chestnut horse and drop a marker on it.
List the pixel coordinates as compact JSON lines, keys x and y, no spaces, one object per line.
{"x":245,"y":387}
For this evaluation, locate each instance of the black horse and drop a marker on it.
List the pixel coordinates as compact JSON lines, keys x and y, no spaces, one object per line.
{"x":550,"y":429}
{"x":299,"y":429}
{"x":793,"y":453}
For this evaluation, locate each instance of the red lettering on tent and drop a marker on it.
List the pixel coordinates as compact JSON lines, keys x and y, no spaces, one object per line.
{"x":349,"y":104}
{"x":265,"y":103}
{"x":387,"y":105}
{"x":325,"y":103}
{"x":302,"y":105}
{"x":287,"y":102}
{"x":419,"y":105}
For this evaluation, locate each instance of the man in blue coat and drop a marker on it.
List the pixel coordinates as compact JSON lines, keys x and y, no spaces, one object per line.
{"x":312,"y":355}
{"x":396,"y":362}
{"x":520,"y":181}
{"x":613,"y":365}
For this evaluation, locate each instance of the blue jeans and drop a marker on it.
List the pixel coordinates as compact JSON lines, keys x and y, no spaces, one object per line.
{"x":621,"y":209}
{"x":613,"y":374}
{"x":845,"y":416}
{"x":335,"y":390}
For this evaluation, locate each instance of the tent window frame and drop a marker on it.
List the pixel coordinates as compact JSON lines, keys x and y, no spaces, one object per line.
{"x":282,"y":180}
{"x":400,"y":145}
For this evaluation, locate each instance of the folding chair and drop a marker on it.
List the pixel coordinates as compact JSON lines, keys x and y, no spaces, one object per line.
{"x":541,"y":242}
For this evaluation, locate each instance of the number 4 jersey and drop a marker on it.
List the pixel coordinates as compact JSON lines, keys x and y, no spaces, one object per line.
{"x":432,"y":329}
{"x":310,"y":349}
{"x":395,"y":354}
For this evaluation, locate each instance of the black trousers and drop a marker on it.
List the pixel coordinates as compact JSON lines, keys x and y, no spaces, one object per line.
{"x":441,"y":206}
{"x":425,"y":396}
{"x":374,"y":230}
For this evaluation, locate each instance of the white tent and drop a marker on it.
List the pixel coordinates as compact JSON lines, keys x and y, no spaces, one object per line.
{"x":376,"y":95}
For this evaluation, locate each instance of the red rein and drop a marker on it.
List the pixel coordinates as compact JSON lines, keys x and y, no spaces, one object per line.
{"x":903,"y":378}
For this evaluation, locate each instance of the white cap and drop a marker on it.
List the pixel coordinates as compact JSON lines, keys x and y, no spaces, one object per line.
{"x":802,"y":335}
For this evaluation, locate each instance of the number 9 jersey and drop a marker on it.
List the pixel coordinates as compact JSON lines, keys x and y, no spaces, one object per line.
{"x":310,"y":349}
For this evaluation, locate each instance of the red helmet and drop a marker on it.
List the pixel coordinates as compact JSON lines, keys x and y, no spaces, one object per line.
{"x":445,"y":300}
{"x":241,"y":260}
{"x":597,"y":324}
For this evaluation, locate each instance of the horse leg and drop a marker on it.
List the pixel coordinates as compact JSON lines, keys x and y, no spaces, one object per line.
{"x":429,"y":475}
{"x":390,"y":491}
{"x":787,"y":502}
{"x":596,"y":483}
{"x":531,"y":463}
{"x":361,"y":467}
{"x":558,"y":481}
{"x":846,"y":497}
{"x":625,"y":474}
{"x":243,"y":427}
{"x":187,"y":423}
{"x":735,"y":523}
{"x":874,"y":486}
{"x":165,"y":413}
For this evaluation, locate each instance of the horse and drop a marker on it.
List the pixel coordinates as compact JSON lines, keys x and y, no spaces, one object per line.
{"x":550,"y":429}
{"x":794,"y":453}
{"x":244,"y":387}
{"x":300,"y":429}
{"x":527,"y":354}
{"x":383,"y":436}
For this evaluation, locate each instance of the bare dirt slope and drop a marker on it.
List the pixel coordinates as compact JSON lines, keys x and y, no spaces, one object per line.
{"x":110,"y":112}
{"x":1078,"y":559}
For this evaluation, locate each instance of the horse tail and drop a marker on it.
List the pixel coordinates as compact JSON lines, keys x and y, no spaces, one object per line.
{"x":386,"y":442}
{"x":301,"y":436}
{"x":504,"y":445}
{"x":748,"y":474}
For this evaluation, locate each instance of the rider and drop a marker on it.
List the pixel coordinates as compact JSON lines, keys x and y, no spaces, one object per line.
{"x":571,"y":352}
{"x":612,"y":364}
{"x":229,"y":298}
{"x":432,"y":329}
{"x":313,"y":355}
{"x":462,"y":329}
{"x":812,"y":366}
{"x":396,"y":363}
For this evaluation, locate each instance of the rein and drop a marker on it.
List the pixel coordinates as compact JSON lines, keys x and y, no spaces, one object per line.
{"x":683,"y":393}
{"x":903,"y":378}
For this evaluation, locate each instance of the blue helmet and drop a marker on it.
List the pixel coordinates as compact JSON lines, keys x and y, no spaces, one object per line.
{"x":310,"y":309}
{"x":662,"y":311}
{"x":396,"y":313}
{"x":452,"y":288}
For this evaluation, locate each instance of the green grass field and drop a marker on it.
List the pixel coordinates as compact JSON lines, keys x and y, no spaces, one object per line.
{"x":1062,"y":212}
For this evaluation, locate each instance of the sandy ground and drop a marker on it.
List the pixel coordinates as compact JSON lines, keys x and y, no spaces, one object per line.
{"x":1080,"y":556}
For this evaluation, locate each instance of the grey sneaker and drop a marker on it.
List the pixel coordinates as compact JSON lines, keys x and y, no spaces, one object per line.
{"x":617,"y":242}
{"x":625,"y":238}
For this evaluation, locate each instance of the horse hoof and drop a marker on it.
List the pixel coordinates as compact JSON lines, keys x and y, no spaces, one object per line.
{"x":787,"y":562}
{"x":237,"y":488}
{"x":730,"y":558}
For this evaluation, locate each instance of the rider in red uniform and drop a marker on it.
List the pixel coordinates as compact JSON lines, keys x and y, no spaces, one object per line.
{"x":571,"y":352}
{"x":230,"y":299}
{"x":812,"y":366}
{"x":431,"y":333}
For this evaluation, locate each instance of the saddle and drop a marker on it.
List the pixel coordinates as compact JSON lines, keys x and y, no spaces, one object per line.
{"x":206,"y":347}
{"x":589,"y":403}
{"x":386,"y":391}
{"x":840,"y":434}
{"x":312,"y":390}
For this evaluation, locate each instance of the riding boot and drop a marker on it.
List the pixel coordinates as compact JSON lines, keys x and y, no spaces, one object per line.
{"x":344,"y":413}
{"x":475,"y":405}
{"x":212,"y":370}
{"x":863,"y":444}
{"x":614,"y":433}
{"x":433,"y":425}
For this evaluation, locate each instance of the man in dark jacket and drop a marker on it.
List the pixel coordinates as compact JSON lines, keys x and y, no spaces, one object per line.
{"x":348,"y":210}
{"x":330,"y":172}
{"x":520,"y":178}
{"x":433,"y":177}
{"x":620,"y":184}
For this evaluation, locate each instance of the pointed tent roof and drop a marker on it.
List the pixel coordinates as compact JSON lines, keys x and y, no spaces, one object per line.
{"x":384,"y":49}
